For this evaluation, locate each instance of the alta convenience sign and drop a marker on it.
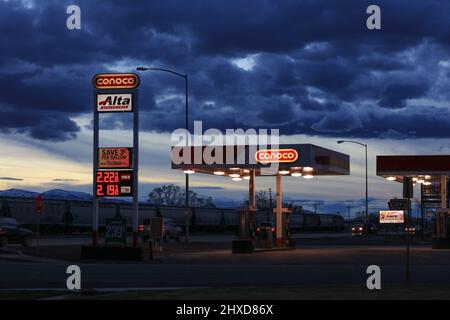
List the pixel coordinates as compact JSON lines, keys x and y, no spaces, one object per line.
{"x":122,"y":102}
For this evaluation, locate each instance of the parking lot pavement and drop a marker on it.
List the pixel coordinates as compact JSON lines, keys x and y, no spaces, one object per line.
{"x":44,"y":275}
{"x":316,"y":255}
{"x":216,"y":266}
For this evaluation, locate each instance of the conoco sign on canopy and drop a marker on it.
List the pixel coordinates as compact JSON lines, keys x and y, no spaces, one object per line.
{"x":276,"y":155}
{"x":116,"y":81}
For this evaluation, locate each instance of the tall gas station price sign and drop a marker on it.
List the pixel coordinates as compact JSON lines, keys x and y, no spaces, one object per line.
{"x":115,"y":169}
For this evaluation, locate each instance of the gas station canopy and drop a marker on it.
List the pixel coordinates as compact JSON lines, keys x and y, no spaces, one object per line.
{"x":394,"y":168}
{"x":294,"y":159}
{"x":248,"y":161}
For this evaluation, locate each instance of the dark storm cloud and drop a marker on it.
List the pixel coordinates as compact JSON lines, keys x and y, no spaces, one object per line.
{"x":305,"y":66}
{"x":395,"y":95}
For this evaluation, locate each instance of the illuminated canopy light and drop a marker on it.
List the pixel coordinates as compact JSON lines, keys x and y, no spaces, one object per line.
{"x":391,"y":178}
{"x":189,"y":171}
{"x":235,"y":172}
{"x":427,"y":183}
{"x":296,"y":171}
{"x":420,"y":181}
{"x":427,"y":177}
{"x":236,"y":179}
{"x":414,"y":179}
{"x":308,"y":176}
{"x":308,"y":169}
{"x":246,"y":177}
{"x":219,"y":173}
{"x":283,"y":172}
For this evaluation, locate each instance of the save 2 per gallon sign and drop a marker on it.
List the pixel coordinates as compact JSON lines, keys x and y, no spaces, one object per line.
{"x":121,"y":102}
{"x":110,"y":158}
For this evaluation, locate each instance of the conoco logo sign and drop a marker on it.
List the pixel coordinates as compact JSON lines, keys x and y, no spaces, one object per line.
{"x":116,"y":81}
{"x":276,"y":155}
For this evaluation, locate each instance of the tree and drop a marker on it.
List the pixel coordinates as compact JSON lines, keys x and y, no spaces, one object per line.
{"x":169,"y":195}
{"x":172,"y":195}
{"x":262,"y":199}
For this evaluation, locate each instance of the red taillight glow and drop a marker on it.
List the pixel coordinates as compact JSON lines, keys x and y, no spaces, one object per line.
{"x":258,"y":229}
{"x":141,"y":227}
{"x":273,"y":229}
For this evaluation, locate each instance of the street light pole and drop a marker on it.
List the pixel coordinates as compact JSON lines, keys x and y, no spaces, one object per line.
{"x":185,"y":76}
{"x":367,"y":187}
{"x":367,"y":181}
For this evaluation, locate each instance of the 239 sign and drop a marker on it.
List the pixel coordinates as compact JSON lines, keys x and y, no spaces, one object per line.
{"x":114,"y":183}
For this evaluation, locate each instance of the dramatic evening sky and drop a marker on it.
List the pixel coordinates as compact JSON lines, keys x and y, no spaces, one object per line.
{"x":310,"y":68}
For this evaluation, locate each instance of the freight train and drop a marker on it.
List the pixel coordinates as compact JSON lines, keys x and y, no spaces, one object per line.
{"x":76,"y":216}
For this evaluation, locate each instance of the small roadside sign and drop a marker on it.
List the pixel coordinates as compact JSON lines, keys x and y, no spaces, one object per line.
{"x":39,"y":204}
{"x":392,"y":216}
{"x":116,"y":231}
{"x":398,"y":204}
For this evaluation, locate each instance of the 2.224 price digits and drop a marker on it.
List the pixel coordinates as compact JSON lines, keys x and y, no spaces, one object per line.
{"x":107,"y":177}
{"x":108,"y":180}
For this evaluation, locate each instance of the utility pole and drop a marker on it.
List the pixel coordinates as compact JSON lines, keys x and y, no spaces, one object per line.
{"x":349,"y":208}
{"x":270,"y":204}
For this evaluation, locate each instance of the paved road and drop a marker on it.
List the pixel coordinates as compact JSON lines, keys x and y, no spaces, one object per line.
{"x":39,"y":275}
{"x":305,"y":265}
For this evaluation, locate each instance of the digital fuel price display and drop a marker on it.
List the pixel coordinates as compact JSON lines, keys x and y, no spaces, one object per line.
{"x":114,"y":183}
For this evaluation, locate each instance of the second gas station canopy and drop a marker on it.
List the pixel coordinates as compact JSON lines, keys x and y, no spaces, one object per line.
{"x":295,"y":159}
{"x":420,"y":167}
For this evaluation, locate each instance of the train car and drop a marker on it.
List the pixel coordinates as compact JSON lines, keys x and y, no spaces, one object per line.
{"x":338,"y":223}
{"x":176,"y":214}
{"x":207,"y":219}
{"x":60,"y":216}
{"x":311,"y":222}
{"x":326,"y":222}
{"x":296,"y":221}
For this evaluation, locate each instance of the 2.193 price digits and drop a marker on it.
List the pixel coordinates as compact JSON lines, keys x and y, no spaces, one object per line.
{"x":111,"y":183}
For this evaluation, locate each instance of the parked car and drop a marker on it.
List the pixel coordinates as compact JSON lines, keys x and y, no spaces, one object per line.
{"x":265,"y":227}
{"x":12,"y":232}
{"x":412,"y":230}
{"x":170,"y":231}
{"x":368,"y":228}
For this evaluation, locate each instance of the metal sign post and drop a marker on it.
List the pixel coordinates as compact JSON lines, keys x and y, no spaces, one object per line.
{"x":135,"y":172}
{"x":94,"y":169}
{"x":408,"y":194}
{"x":39,"y":209}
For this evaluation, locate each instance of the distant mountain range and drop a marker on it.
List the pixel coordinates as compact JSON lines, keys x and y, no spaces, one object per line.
{"x":54,"y":194}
